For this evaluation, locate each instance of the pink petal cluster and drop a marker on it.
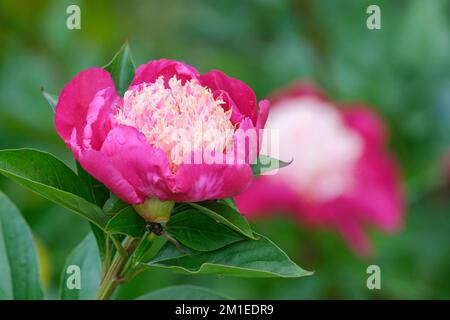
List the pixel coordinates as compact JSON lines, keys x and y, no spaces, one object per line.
{"x":342,"y":176}
{"x":128,"y":143}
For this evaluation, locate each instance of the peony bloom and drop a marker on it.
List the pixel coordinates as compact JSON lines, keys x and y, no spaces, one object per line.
{"x":341,"y":177}
{"x":141,"y":145}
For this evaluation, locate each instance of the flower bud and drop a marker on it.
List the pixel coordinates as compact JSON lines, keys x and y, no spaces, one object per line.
{"x":155,"y":210}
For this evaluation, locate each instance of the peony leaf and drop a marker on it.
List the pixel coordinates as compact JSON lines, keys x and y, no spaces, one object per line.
{"x":148,"y":247}
{"x":114,"y":205}
{"x":267,"y":164}
{"x":80,"y":276}
{"x":127,"y":222}
{"x":98,"y":195}
{"x":229,"y":202}
{"x":247,"y":258}
{"x":100,"y":238}
{"x":51,"y":99}
{"x":97,"y":190}
{"x":225,"y":214}
{"x":48,"y":176}
{"x":19,"y":272}
{"x":183,"y":292}
{"x":122,"y":69}
{"x":199,"y":232}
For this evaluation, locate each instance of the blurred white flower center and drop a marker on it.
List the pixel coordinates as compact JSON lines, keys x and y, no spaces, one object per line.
{"x":179,"y":118}
{"x":324,"y":150}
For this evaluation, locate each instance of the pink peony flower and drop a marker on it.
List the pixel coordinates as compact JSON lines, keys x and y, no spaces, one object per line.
{"x":137,"y":145}
{"x":341,"y":177}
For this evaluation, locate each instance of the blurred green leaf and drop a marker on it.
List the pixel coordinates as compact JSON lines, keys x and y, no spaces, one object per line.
{"x":19,"y":272}
{"x":183,"y":292}
{"x":51,"y":178}
{"x":266,"y":164}
{"x":122,"y":69}
{"x":127,"y":222}
{"x":86,"y":258}
{"x":199,"y":232}
{"x":223,"y":213}
{"x":247,"y":258}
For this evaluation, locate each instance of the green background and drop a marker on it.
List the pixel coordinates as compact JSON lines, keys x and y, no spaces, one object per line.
{"x":402,"y":70}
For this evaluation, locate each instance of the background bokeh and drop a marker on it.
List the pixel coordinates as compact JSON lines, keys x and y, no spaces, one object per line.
{"x":402,"y":70}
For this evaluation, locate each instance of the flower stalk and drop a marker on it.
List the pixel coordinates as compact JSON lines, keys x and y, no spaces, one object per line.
{"x":113,"y":276}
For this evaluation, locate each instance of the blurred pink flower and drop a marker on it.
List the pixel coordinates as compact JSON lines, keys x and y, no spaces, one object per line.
{"x":129,"y":143}
{"x":342,"y":176}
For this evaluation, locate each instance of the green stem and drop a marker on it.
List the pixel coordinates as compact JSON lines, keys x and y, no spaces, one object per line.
{"x":131,"y":269}
{"x":112,"y":278}
{"x":107,"y":258}
{"x":118,"y":245}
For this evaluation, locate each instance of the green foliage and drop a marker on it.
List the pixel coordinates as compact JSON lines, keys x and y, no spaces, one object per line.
{"x":121,"y":69}
{"x":98,"y":193}
{"x":225,"y":214}
{"x":46,"y":175}
{"x":113,"y":205}
{"x":247,"y":258}
{"x":19,"y":275}
{"x":185,"y":292}
{"x":267,"y":164}
{"x":85,"y":257}
{"x":127,"y":222}
{"x":199,"y":232}
{"x":147,"y":248}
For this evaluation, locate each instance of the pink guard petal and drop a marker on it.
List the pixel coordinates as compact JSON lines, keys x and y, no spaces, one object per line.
{"x":240,"y":98}
{"x":81,"y":120}
{"x":198,"y":182}
{"x":150,"y":71}
{"x":131,"y":168}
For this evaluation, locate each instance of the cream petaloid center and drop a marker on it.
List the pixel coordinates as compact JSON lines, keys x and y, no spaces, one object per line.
{"x":177,"y":117}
